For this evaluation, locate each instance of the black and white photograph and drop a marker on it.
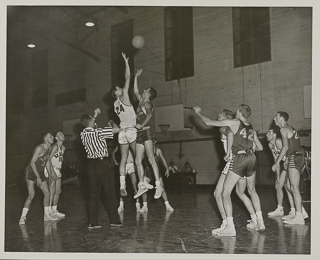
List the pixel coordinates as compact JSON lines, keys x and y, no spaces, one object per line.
{"x":163,"y":130}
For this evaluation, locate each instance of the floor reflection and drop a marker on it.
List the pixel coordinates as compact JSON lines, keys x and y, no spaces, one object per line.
{"x":186,"y":230}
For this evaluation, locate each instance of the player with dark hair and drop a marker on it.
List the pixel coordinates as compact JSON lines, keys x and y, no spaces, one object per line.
{"x":292,"y":149}
{"x":35,"y":175}
{"x":144,"y":140}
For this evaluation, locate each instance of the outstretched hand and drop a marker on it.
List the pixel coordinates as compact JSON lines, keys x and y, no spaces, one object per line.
{"x":138,"y":73}
{"x":97,"y":112}
{"x":126,"y":59}
{"x":197,"y":109}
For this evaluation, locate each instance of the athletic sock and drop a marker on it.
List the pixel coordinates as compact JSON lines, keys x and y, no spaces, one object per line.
{"x":157,"y":182}
{"x":259,"y":214}
{"x":24,"y":212}
{"x":280,"y":207}
{"x":121,"y":203}
{"x":230,"y":221}
{"x":167,"y":203}
{"x":122,"y":180}
{"x":145,"y":204}
{"x":54,"y":208}
{"x":253,"y":218}
{"x":46,"y":210}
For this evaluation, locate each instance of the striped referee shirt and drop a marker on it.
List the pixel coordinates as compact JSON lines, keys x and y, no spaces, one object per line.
{"x":94,"y":141}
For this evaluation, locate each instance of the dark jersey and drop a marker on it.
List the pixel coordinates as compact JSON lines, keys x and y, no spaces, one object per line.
{"x":142,"y":113}
{"x":243,"y":139}
{"x":293,"y":143}
{"x":41,"y":162}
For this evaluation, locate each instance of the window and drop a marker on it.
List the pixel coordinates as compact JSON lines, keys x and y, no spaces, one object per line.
{"x":251,"y":35}
{"x":40,"y":79}
{"x":121,"y":41}
{"x":179,"y":56}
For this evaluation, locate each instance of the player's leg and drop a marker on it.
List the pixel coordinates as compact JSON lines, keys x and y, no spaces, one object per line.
{"x":56,"y":199}
{"x":26,"y":207}
{"x":251,"y":185}
{"x":279,"y":192}
{"x":150,"y":156}
{"x":229,"y":183}
{"x":287,"y":185}
{"x":46,"y":200}
{"x":240,"y":190}
{"x":138,"y":160}
{"x":294,"y":177}
{"x":165,"y":197}
{"x":52,"y":189}
{"x":133,"y":178}
{"x":218,"y":196}
{"x":124,"y":149}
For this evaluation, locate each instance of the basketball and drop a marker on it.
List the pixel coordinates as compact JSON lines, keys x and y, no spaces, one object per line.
{"x":138,"y":42}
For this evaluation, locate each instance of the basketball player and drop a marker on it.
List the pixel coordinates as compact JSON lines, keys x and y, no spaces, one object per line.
{"x":242,"y":165}
{"x":144,"y":141}
{"x":291,"y":148}
{"x":130,"y":170}
{"x":128,"y":133}
{"x":54,"y":169}
{"x":158,"y":156}
{"x":282,"y":180}
{"x":35,"y":175}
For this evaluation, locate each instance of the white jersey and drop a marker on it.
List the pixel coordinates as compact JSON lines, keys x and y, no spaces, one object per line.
{"x":57,"y":160}
{"x":225,"y":147}
{"x":126,"y":114}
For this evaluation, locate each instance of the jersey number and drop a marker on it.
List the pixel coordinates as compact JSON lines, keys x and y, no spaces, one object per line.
{"x":119,"y":109}
{"x":243,"y":133}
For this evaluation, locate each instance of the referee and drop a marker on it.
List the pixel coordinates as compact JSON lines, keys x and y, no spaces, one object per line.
{"x":99,"y":170}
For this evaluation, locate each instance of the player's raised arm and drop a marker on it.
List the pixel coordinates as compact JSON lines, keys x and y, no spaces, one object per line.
{"x":136,"y":89}
{"x":210,"y":122}
{"x":127,"y":74}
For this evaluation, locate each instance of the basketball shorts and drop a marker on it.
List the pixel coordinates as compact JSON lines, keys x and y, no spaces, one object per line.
{"x":243,"y":165}
{"x":130,"y":168}
{"x":296,"y":161}
{"x":56,"y":171}
{"x":30,"y":176}
{"x":143,"y":136}
{"x":127,"y":135}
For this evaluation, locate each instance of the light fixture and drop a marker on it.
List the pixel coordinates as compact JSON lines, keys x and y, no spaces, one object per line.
{"x":31,"y":45}
{"x":89,"y":22}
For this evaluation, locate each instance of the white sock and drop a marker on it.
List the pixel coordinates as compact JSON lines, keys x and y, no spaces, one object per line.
{"x":122,"y":180}
{"x":24,"y":212}
{"x":167,"y":203}
{"x":280,"y":207}
{"x":145,"y":204}
{"x":293,"y":211}
{"x":121,"y":203}
{"x":259,"y":214}
{"x":230,"y":221}
{"x":54,"y":208}
{"x":224,"y":221}
{"x":46,"y":210}
{"x":254,"y":218}
{"x":157,"y":182}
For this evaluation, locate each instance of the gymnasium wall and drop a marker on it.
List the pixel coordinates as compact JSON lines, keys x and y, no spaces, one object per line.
{"x":267,"y":87}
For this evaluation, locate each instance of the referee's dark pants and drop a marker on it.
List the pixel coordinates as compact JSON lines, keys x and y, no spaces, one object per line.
{"x":100,"y":174}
